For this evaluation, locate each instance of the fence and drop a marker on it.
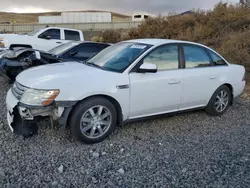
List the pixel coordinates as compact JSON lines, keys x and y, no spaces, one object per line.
{"x":24,"y":28}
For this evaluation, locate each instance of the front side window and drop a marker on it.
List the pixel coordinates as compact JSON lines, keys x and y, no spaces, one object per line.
{"x":164,"y":57}
{"x":217,"y":60}
{"x":51,"y":34}
{"x":72,"y":35}
{"x":119,"y":56}
{"x":195,"y":57}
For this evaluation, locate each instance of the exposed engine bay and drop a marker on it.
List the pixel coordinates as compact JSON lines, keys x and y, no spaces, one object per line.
{"x":15,"y":61}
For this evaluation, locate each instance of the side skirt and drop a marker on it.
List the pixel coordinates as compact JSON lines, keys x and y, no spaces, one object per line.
{"x":170,"y":114}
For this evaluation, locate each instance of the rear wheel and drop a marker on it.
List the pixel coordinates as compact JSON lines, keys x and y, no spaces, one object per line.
{"x":220,"y":101}
{"x":93,"y":120}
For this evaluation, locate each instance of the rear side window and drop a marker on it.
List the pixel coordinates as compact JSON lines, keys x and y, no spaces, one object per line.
{"x":217,"y":60}
{"x":72,"y":35}
{"x":195,"y":56}
{"x":51,"y":33}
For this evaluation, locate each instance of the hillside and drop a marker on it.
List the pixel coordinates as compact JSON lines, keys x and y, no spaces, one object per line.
{"x":33,"y":17}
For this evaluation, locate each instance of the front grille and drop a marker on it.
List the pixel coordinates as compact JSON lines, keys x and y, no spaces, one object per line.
{"x":18,"y":90}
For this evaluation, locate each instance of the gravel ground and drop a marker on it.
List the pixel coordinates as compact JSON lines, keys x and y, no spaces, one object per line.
{"x":187,"y":150}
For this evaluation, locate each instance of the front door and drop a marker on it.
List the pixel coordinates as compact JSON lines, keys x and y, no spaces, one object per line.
{"x":160,"y":92}
{"x":49,"y":39}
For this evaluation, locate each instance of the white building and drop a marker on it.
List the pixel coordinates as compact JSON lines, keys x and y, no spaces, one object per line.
{"x":77,"y":17}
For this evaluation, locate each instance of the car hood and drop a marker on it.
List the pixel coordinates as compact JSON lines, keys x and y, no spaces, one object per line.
{"x":12,"y":34}
{"x":7,"y":35}
{"x":9,"y":38}
{"x":56,"y":76}
{"x":15,"y":53}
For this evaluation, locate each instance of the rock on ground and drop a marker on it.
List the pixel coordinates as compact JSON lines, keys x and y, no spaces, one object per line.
{"x":196,"y":150}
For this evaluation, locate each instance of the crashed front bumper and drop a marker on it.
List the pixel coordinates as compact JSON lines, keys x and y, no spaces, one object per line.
{"x":22,"y":119}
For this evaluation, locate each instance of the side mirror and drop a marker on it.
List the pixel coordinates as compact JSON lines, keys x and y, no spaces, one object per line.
{"x":147,"y":67}
{"x":48,"y":37}
{"x":73,"y":53}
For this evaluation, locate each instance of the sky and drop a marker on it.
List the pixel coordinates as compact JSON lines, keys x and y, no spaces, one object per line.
{"x":121,"y":6}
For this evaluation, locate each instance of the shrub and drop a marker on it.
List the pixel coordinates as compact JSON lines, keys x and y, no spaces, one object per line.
{"x":97,"y":39}
{"x":236,"y":49}
{"x":111,"y":36}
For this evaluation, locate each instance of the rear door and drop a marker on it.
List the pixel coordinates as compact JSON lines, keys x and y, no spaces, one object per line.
{"x":70,"y":35}
{"x":201,"y":77}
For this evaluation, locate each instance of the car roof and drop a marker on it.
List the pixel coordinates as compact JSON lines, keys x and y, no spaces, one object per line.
{"x":64,"y":28}
{"x":158,"y":41}
{"x":90,"y":42}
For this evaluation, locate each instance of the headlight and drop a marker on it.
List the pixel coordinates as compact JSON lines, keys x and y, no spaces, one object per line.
{"x":36,"y":97}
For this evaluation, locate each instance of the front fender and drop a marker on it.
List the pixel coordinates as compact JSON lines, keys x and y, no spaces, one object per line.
{"x":121,"y":96}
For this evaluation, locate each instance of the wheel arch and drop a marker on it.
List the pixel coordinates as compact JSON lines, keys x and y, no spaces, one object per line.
{"x":111,"y":99}
{"x":230,"y":87}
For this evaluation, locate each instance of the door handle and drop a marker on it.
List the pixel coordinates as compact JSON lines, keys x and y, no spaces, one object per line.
{"x":174,"y":82}
{"x":59,"y":42}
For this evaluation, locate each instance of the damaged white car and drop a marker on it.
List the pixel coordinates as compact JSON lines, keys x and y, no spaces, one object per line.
{"x":129,"y":80}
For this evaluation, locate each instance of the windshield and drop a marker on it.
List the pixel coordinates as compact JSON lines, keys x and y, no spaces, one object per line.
{"x":62,"y":48}
{"x":119,"y":56}
{"x":34,"y":32}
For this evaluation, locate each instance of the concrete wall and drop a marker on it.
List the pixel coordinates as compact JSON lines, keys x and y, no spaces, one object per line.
{"x":24,"y":28}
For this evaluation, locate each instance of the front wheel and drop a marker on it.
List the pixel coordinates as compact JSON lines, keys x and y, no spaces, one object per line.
{"x":93,"y":120}
{"x":220,"y":101}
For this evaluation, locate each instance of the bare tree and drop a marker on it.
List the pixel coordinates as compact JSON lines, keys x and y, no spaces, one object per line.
{"x":245,"y":2}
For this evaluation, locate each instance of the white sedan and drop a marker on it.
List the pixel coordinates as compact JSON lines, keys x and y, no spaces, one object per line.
{"x":129,"y":80}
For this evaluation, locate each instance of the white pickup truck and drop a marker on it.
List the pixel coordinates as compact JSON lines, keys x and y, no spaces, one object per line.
{"x":42,"y":39}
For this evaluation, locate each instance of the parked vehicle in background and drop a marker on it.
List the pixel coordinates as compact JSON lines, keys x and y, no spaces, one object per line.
{"x":15,"y":61}
{"x":41,"y":39}
{"x":129,"y":80}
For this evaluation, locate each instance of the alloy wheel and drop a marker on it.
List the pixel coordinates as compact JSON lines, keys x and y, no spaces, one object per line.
{"x":96,"y":121}
{"x":221,"y":101}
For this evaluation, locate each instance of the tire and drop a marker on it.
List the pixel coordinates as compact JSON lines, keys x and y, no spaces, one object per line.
{"x":214,"y":102}
{"x":83,"y":119}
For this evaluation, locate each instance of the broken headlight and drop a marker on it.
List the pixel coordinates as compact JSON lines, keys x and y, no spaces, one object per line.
{"x":37,"y":97}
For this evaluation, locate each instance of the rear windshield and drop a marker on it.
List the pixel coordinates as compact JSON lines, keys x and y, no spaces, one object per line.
{"x":63,"y":48}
